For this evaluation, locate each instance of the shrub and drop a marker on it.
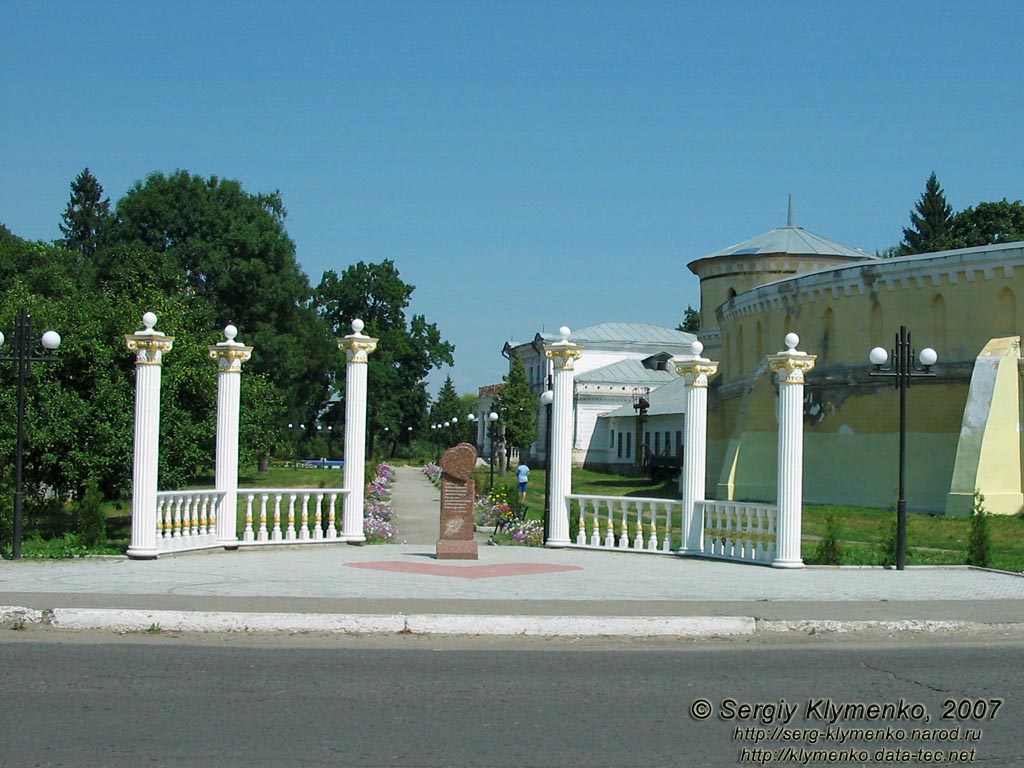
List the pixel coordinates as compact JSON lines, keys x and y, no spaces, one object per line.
{"x":828,"y":551}
{"x":92,"y":522}
{"x":890,"y":547}
{"x":979,"y":543}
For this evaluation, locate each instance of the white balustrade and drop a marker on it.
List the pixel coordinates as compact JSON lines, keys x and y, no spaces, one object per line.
{"x":187,"y":519}
{"x":739,"y":531}
{"x":619,"y":523}
{"x":263,"y":527}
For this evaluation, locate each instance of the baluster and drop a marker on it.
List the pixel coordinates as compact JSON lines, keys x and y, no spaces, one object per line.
{"x":318,"y":518}
{"x":290,"y":532}
{"x":666,"y":543}
{"x":652,"y":541}
{"x":176,"y":525}
{"x":581,"y":528}
{"x":216,"y":501}
{"x":264,"y":534}
{"x":638,"y":540}
{"x":204,"y":512}
{"x":624,"y":533}
{"x":595,"y":534}
{"x":720,"y":530}
{"x":332,"y":533}
{"x":161,"y":513}
{"x":759,"y":531}
{"x":609,"y":534}
{"x":772,"y":548}
{"x":304,"y":525}
{"x":276,"y":533}
{"x":247,"y":534}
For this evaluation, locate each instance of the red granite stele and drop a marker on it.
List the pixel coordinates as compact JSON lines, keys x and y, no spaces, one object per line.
{"x":456,"y":540}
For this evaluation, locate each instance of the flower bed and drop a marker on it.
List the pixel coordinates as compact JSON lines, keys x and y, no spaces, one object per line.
{"x":378,"y":516}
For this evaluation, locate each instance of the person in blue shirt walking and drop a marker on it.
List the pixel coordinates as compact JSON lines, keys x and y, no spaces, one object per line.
{"x":523,"y":476}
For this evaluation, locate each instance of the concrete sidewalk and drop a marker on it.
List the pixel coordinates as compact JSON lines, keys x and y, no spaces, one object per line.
{"x":509,"y":590}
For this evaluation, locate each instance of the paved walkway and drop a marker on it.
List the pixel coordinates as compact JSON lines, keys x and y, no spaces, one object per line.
{"x":509,"y":590}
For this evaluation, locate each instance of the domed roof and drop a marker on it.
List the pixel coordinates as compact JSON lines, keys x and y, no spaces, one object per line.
{"x":792,"y":241}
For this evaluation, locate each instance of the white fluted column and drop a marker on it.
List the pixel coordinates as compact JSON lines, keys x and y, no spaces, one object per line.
{"x":149,"y":346}
{"x":357,"y":349}
{"x":695,"y":372}
{"x":230,"y":355}
{"x":563,"y":355}
{"x":790,"y":367}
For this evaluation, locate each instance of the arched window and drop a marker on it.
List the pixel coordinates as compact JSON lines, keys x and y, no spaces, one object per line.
{"x":877,"y":328}
{"x":739,"y":351}
{"x":938,"y":339}
{"x":828,"y":340}
{"x":1006,"y":313}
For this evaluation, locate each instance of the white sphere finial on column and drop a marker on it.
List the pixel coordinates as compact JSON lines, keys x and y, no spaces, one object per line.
{"x":791,"y":341}
{"x":565,"y":333}
{"x":696,"y":348}
{"x":230,"y":332}
{"x":149,"y":320}
{"x":357,"y":326}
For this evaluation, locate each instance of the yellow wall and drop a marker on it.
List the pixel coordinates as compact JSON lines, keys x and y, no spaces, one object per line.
{"x":954,"y":302}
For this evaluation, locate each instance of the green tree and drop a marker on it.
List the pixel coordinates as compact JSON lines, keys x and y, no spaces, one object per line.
{"x":517,"y":407}
{"x":445,"y":408}
{"x":87,"y":218}
{"x":930,"y":222}
{"x":691,"y":320}
{"x":988,"y":223}
{"x":408,"y":350}
{"x":230,"y":248}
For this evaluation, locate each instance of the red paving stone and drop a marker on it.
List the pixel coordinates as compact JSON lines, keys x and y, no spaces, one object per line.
{"x":466,"y":571}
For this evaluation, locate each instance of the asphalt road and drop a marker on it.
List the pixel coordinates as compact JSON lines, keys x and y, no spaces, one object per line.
{"x":99,"y":700}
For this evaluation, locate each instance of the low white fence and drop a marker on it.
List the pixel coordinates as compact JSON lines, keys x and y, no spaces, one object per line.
{"x":738,"y":531}
{"x":319,"y":522}
{"x":625,"y":523}
{"x":187,"y":520}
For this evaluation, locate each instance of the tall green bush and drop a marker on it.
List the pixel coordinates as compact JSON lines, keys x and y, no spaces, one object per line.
{"x":979,"y":544}
{"x":92,"y":522}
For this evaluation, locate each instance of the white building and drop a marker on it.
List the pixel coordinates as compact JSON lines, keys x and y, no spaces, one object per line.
{"x":620,"y":361}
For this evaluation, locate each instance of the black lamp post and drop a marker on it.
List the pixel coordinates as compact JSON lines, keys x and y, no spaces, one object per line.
{"x":547,"y":398}
{"x":640,"y":405}
{"x":24,"y":355}
{"x":902,"y":369}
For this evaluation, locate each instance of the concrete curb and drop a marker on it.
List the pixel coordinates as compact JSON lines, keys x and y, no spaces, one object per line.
{"x":129,"y":620}
{"x":136,"y":620}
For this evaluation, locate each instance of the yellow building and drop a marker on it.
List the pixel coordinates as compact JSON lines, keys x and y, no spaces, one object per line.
{"x":963,"y":429}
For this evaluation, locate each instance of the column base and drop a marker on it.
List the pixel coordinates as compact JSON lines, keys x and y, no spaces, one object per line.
{"x":787,"y":564}
{"x":555,"y":544}
{"x":353,"y":540}
{"x":140,"y":553}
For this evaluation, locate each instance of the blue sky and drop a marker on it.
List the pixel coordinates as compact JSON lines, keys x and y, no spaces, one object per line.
{"x":526,"y":165}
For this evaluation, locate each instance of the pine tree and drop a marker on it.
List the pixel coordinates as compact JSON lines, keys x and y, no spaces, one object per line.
{"x":87,"y":216}
{"x":691,"y":320}
{"x":517,"y":406}
{"x":931,"y":222}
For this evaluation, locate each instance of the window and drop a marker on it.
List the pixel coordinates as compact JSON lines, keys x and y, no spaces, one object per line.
{"x":657,"y":443}
{"x":619,"y":453}
{"x":629,"y":446}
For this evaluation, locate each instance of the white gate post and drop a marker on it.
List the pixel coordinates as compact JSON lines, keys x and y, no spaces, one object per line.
{"x":563,"y":355}
{"x":790,"y":367}
{"x":149,"y":346}
{"x":230,"y":355}
{"x":695,"y":372}
{"x":357,"y":351}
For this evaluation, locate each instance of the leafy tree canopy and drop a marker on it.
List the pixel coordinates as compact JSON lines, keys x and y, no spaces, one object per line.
{"x":691,"y":320}
{"x":988,"y":223}
{"x":408,"y":350}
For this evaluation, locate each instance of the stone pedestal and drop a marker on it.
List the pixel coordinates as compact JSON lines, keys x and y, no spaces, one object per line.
{"x":456,"y":540}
